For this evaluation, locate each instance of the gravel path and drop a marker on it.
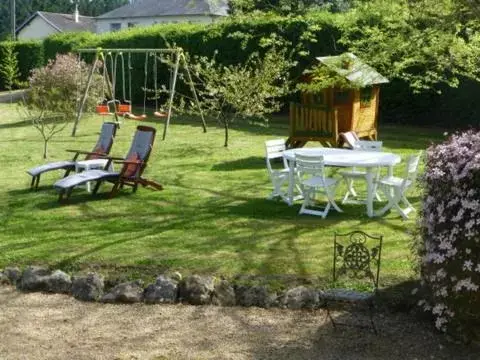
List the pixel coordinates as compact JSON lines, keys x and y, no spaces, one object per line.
{"x":39,"y":326}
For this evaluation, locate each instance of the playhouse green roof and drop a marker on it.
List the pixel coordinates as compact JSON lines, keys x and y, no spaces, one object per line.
{"x":358,"y":72}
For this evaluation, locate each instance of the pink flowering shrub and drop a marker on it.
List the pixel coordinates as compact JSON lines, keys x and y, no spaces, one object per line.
{"x":58,"y":86}
{"x":450,"y":231}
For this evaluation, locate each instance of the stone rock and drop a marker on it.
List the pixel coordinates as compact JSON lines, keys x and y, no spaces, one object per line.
{"x":4,"y":280}
{"x":254,"y":296}
{"x":59,"y":282}
{"x":165,"y":290}
{"x":88,"y":288}
{"x":37,"y":278}
{"x":301,"y":298}
{"x":13,"y":273}
{"x":345,"y":295}
{"x":224,"y":294}
{"x":197,"y":290}
{"x":176,"y":276}
{"x":129,"y":292}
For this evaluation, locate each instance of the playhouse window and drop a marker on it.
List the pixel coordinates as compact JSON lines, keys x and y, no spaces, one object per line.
{"x":366,"y":96}
{"x":318,"y":99}
{"x":341,"y":97}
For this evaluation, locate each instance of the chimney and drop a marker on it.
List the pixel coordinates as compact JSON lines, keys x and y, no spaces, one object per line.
{"x":76,"y":14}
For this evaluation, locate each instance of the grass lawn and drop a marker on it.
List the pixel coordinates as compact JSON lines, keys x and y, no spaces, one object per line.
{"x":212,"y":217}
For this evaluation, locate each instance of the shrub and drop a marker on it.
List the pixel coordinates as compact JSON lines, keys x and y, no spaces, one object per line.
{"x":9,"y":67}
{"x":55,"y":92}
{"x":58,"y":86}
{"x":29,"y":56}
{"x":450,"y":229}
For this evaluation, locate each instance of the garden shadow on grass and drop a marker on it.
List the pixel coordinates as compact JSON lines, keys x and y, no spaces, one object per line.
{"x":252,"y":162}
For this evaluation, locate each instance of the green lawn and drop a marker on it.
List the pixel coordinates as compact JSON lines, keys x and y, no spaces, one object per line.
{"x":212,"y":217}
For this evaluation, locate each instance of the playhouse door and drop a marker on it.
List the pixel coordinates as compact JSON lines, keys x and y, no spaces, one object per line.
{"x":343,"y":103}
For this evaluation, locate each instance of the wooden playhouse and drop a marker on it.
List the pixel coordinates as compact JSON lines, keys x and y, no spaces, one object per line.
{"x":322,"y":114}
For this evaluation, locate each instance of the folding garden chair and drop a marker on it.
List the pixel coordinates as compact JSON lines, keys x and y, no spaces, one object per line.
{"x":101,"y":148}
{"x":356,"y":255}
{"x":133,"y":167}
{"x":348,"y":138}
{"x":395,"y":188}
{"x":350,"y":176}
{"x":274,"y":150}
{"x":311,"y":171}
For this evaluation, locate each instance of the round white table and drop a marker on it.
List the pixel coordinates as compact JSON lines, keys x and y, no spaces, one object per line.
{"x":344,"y":158}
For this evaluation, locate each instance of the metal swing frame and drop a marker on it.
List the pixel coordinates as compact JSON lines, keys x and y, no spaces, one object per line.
{"x":180,"y":60}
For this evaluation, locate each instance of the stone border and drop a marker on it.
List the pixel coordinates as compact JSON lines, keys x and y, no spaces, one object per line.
{"x":170,"y":289}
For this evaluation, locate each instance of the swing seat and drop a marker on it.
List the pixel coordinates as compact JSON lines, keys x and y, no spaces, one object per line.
{"x":135,"y":117}
{"x":160,"y":114}
{"x":123,"y":109}
{"x":103,"y":110}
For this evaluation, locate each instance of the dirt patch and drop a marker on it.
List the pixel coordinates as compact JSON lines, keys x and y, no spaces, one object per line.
{"x":39,"y":326}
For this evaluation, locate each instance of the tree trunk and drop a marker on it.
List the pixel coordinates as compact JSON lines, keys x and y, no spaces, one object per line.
{"x":45,"y":143}
{"x":225,"y":126}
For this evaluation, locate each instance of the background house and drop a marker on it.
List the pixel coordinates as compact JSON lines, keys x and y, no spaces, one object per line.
{"x":150,"y":12}
{"x":42,"y":24}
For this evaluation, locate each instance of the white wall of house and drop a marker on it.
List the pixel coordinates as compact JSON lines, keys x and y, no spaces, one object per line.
{"x":36,"y":29}
{"x":105,"y":25}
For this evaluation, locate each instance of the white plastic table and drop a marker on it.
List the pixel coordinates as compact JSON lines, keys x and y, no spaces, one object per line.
{"x":344,"y":158}
{"x":89,"y":165}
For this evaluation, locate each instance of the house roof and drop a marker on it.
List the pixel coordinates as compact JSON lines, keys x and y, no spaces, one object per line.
{"x":152,"y":8}
{"x":357,"y":71}
{"x":62,"y":22}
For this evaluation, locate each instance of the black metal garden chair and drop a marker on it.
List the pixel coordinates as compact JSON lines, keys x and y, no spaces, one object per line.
{"x":356,"y":256}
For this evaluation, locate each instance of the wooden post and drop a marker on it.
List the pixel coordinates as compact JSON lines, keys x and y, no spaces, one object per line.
{"x":85,"y":95}
{"x":172,"y":93}
{"x":192,"y":87}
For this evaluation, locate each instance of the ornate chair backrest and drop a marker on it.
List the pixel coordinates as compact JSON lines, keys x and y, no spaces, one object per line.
{"x":367,"y":145}
{"x":349,"y":138}
{"x":309,"y":166}
{"x":357,"y":255}
{"x":274,"y":150}
{"x":411,"y":169}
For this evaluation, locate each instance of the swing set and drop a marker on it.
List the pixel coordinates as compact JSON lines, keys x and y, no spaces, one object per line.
{"x":122,"y":108}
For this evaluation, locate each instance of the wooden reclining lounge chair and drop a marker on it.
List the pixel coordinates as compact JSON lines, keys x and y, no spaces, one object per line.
{"x":101,"y":148}
{"x":133,"y":167}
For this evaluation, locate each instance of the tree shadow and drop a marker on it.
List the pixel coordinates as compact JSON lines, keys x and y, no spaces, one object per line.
{"x":252,"y":162}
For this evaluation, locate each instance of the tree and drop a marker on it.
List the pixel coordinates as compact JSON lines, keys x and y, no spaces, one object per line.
{"x":247,"y":91}
{"x":288,"y":7}
{"x":9,"y":66}
{"x":427,"y":43}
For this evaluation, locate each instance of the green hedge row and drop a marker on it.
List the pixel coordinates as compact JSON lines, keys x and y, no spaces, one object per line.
{"x":236,"y":38}
{"x":30,"y":56}
{"x":233,"y":40}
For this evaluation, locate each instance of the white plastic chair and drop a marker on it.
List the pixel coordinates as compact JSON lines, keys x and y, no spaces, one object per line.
{"x":312,"y":179}
{"x":273,"y":150}
{"x":350,"y":176}
{"x":349,"y":138}
{"x":395,"y":188}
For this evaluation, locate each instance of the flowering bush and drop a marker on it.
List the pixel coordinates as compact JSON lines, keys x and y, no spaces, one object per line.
{"x":55,"y":93}
{"x":58,"y":86}
{"x":450,"y":230}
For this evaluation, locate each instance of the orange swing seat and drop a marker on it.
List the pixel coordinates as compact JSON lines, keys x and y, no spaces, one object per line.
{"x":160,"y":114}
{"x":123,"y":109}
{"x":103,"y":110}
{"x":135,"y":117}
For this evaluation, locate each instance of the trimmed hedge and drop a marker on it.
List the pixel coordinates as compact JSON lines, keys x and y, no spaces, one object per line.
{"x":237,"y":37}
{"x":30,"y":56}
{"x":234,"y":39}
